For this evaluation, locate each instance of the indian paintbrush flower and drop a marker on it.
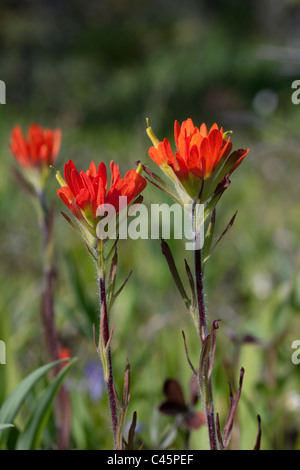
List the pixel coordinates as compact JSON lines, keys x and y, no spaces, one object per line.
{"x":199,"y":171}
{"x":85,"y":192}
{"x":202,"y":161}
{"x":35,"y":153}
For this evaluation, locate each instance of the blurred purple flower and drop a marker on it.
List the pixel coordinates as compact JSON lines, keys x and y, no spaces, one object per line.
{"x":94,"y":380}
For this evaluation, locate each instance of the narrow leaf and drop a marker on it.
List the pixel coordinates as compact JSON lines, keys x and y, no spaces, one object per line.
{"x":161,"y":184}
{"x":90,"y":251}
{"x":171,"y":263}
{"x":213,"y":347}
{"x":126,"y":386}
{"x":112,"y":249}
{"x":119,"y":404}
{"x":31,"y":436}
{"x":217,"y":195}
{"x":107,"y":346}
{"x":187,"y":356}
{"x":122,"y":286}
{"x":14,"y":401}
{"x":191,"y":281}
{"x":258,"y":438}
{"x":219,"y":434}
{"x":233,"y":405}
{"x":112,"y":280}
{"x":5,"y":426}
{"x":206,"y":358}
{"x":209,"y":237}
{"x":225,"y":231}
{"x":65,"y":216}
{"x":132,"y":432}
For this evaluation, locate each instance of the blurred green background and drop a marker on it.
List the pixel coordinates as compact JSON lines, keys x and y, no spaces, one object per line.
{"x":97,"y":70}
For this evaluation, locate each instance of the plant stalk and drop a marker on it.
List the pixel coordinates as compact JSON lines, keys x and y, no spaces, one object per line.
{"x":106,"y":336}
{"x":200,"y":295}
{"x":205,"y":383}
{"x":63,"y":404}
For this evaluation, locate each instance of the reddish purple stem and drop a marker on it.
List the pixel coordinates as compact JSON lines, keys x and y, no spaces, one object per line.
{"x":106,"y":334}
{"x":48,"y":318}
{"x":209,"y":410}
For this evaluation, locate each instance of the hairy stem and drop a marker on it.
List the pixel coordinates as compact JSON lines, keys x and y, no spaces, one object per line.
{"x":200,"y":295}
{"x":106,"y":335}
{"x":204,"y":380}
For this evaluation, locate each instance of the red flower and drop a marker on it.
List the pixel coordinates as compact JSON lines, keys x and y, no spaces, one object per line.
{"x":83,"y":192}
{"x":64,"y":353}
{"x":40,"y":149}
{"x":201,"y":156}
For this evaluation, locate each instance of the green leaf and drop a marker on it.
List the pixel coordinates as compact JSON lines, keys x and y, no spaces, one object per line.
{"x":209,"y":237}
{"x":172,"y":267}
{"x":5,"y":426}
{"x":32,"y":434}
{"x":14,"y":401}
{"x":112,"y":280}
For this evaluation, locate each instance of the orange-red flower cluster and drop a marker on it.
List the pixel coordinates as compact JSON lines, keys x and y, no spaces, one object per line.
{"x":39,"y":149}
{"x":86,"y":191}
{"x":201,"y":156}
